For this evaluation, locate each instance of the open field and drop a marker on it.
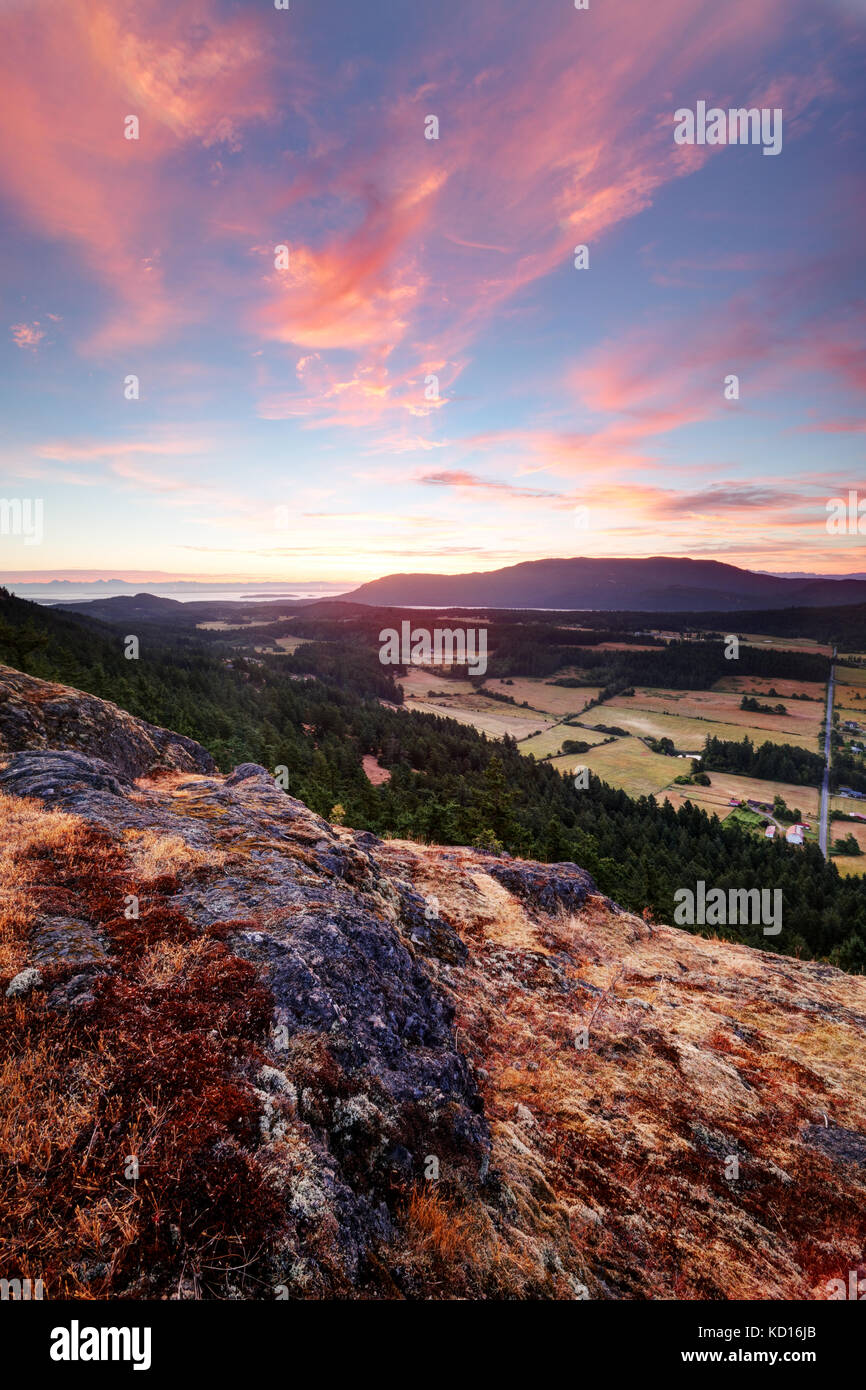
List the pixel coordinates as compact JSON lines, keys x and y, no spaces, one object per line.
{"x":839,"y":829}
{"x":458,"y":699}
{"x":550,"y":742}
{"x":803,"y":720}
{"x":552,"y":699}
{"x":688,"y":732}
{"x":761,"y":685}
{"x":851,"y":675}
{"x":849,"y":804}
{"x":626,"y":647}
{"x":685,"y":716}
{"x":785,"y":644}
{"x":477,"y":701}
{"x":496,"y":721}
{"x":725,"y":785}
{"x":373,"y":770}
{"x":232,"y":627}
{"x":627,"y":764}
{"x":850,"y":697}
{"x":418,"y":684}
{"x":848,"y":863}
{"x":286,"y":644}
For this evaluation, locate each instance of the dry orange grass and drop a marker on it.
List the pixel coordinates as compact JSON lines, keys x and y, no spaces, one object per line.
{"x":455,"y":1248}
{"x":152,"y":1066}
{"x":29,"y":833}
{"x":613,"y":1153}
{"x":154,"y":855}
{"x":166,"y":962}
{"x":44,"y":1108}
{"x":436,"y":1228}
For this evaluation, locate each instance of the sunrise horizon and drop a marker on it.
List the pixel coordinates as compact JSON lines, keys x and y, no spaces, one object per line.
{"x":89,"y":576}
{"x":441,"y":293}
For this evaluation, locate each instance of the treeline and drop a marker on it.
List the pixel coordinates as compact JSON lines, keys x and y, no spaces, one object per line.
{"x":774,"y":762}
{"x":843,"y":625}
{"x":691,"y":666}
{"x":449,"y":785}
{"x":754,"y":706}
{"x":847,"y":771}
{"x":534,"y":645}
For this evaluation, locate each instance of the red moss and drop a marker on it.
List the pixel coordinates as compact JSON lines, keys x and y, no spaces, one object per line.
{"x":177,"y":1097}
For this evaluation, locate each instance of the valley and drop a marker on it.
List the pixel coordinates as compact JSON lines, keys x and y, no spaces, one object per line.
{"x":678,"y":775}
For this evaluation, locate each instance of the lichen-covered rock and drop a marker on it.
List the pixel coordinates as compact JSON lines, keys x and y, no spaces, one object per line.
{"x":22,"y":984}
{"x":42,"y":714}
{"x":545,"y":886}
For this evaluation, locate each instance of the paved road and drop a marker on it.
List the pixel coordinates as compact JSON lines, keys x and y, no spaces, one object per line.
{"x":825,"y":784}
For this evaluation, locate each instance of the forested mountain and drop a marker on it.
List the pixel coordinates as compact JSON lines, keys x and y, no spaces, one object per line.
{"x":662,"y":583}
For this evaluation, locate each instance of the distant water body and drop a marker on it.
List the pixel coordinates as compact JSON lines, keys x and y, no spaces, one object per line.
{"x":37,"y":593}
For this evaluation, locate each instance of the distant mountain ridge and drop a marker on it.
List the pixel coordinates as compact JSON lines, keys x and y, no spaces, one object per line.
{"x":661,"y":583}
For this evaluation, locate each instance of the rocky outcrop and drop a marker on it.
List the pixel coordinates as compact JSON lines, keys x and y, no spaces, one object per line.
{"x":352,"y":1067}
{"x":41,"y":714}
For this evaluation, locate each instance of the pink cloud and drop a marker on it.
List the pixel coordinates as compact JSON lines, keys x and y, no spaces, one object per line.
{"x":27,"y":335}
{"x":65,"y":91}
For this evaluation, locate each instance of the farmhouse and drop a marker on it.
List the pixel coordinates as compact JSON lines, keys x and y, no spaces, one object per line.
{"x":769,"y":832}
{"x":794,"y":835}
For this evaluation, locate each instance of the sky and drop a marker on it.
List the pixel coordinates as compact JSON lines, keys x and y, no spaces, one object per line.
{"x":421,"y":378}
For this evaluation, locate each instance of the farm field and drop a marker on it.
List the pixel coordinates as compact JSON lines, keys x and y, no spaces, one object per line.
{"x":286,"y":644}
{"x":496,"y":721}
{"x":631,"y":766}
{"x":845,"y":699}
{"x":761,"y":685}
{"x":848,"y":863}
{"x":851,"y":675}
{"x":786,"y":644}
{"x":685,"y":716}
{"x":548,"y":704}
{"x":418,"y":684}
{"x":232,"y":627}
{"x":726,"y":785}
{"x":550,"y":742}
{"x":688,"y":732}
{"x":627,"y":764}
{"x":803,"y":720}
{"x":552,"y":699}
{"x":849,"y":804}
{"x":626,"y":647}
